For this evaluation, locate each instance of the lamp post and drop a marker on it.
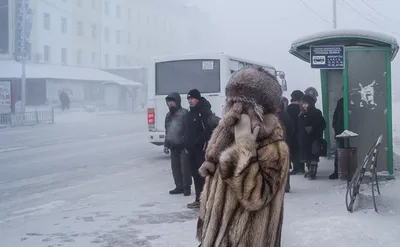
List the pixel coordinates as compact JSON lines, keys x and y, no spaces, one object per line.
{"x":281,"y":75}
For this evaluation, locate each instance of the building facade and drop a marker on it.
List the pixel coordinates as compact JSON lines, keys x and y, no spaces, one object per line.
{"x":100,"y":35}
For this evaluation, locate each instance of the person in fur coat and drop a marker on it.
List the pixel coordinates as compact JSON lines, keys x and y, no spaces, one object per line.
{"x":246,"y":167}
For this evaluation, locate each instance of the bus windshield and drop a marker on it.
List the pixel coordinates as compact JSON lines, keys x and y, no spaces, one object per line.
{"x":184,"y":75}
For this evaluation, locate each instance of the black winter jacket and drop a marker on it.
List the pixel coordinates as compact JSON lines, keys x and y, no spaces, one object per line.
{"x":197,"y":129}
{"x":338,"y":118}
{"x":294,"y":111}
{"x":286,"y":122}
{"x":175,"y":124}
{"x":311,"y":118}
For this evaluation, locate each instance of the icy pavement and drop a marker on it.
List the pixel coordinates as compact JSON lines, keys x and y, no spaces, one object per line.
{"x":107,"y":187}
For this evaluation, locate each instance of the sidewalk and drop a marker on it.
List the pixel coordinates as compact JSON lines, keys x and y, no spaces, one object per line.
{"x":134,"y":209}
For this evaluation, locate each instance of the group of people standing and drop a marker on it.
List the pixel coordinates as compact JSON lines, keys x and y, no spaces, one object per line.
{"x":304,"y":126}
{"x":187,"y":134}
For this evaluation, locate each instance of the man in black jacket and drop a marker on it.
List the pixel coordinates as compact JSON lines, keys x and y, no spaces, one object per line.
{"x":294,"y":111}
{"x":174,"y":138}
{"x":288,"y":128}
{"x":197,"y":133}
{"x":338,"y":127}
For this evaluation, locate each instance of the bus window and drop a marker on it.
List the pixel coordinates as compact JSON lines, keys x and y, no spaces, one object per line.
{"x":184,"y":75}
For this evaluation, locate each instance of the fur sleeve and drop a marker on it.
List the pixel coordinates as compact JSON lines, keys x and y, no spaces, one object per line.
{"x":255,"y":175}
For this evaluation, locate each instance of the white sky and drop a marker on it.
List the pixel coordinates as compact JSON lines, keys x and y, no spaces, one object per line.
{"x":263,"y":30}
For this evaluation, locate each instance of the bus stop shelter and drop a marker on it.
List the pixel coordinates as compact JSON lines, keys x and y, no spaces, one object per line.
{"x":355,"y":65}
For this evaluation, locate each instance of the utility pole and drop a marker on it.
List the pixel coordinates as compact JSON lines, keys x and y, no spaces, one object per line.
{"x":23,"y":10}
{"x":334,"y":14}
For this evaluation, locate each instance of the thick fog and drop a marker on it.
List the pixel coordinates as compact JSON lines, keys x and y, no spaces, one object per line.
{"x":263,"y":30}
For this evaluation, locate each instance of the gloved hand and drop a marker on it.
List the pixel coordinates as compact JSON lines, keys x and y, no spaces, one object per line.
{"x":308,"y":129}
{"x":166,"y":150}
{"x":243,"y":131}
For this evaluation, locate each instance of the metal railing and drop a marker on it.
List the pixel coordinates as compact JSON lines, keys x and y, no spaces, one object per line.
{"x":27,"y":118}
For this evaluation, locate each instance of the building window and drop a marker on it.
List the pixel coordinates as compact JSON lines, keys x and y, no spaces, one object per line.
{"x":129,"y":38}
{"x":106,"y":34}
{"x":93,"y":57}
{"x":93,"y":4}
{"x":94,"y":31}
{"x":118,"y":61}
{"x":46,"y":21}
{"x":47,"y":54}
{"x":106,"y":60}
{"x":64,"y":25}
{"x":106,"y":7}
{"x":118,"y":36}
{"x":79,"y":29}
{"x":64,"y":56}
{"x":79,"y":57}
{"x":118,"y":11}
{"x":79,"y":3}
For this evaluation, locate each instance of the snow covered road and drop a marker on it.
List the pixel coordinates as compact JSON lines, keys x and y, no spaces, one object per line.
{"x":97,"y":182}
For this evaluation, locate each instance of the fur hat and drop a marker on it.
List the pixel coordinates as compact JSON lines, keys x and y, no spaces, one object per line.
{"x":256,"y":86}
{"x":312,"y":92}
{"x":194,"y":93}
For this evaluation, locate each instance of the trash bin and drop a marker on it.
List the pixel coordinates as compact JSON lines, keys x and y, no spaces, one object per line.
{"x":347,"y":162}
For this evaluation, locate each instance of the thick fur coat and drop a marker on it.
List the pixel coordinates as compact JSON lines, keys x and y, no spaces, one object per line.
{"x":242,"y":200}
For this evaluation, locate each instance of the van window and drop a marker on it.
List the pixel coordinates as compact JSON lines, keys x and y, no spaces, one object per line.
{"x":184,"y":75}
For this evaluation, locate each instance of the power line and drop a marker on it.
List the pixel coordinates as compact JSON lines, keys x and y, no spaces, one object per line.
{"x":316,"y":13}
{"x":363,"y":16}
{"x":359,"y":13}
{"x":379,"y":13}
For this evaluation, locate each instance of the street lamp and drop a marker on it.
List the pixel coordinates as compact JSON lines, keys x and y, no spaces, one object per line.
{"x":281,"y":75}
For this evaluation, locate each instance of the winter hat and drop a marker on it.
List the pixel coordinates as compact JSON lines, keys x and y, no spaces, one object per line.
{"x":256,"y":86}
{"x":296,"y":95}
{"x":308,"y":99}
{"x":194,"y":93}
{"x":312,"y":92}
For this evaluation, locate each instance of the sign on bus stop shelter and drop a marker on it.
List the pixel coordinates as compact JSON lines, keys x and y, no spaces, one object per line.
{"x":327,"y":57}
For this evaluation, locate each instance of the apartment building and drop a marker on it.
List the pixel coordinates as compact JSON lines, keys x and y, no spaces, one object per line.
{"x":81,"y":38}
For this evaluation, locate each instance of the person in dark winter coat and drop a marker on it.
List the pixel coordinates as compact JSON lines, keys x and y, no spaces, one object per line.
{"x":174,"y":138}
{"x":288,"y":130}
{"x":197,"y":134}
{"x":338,"y":127}
{"x":64,"y":99}
{"x":294,"y":111}
{"x":311,"y":127}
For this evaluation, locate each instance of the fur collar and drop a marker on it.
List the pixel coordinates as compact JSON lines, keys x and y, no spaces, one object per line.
{"x":223,"y":136}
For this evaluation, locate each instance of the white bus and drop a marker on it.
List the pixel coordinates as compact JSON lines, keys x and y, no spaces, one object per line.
{"x":209,"y":73}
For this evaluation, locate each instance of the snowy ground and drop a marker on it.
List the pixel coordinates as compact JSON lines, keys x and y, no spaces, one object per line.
{"x":95,"y":181}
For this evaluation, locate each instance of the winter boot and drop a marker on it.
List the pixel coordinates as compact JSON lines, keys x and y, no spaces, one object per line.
{"x":195,"y":204}
{"x":307,"y":174}
{"x":334,"y":175}
{"x":313,"y":172}
{"x":287,"y":187}
{"x":187,"y":191}
{"x":176,"y":191}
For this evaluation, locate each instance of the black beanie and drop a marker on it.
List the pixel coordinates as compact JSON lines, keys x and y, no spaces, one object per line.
{"x":194,"y":93}
{"x":297,"y":95}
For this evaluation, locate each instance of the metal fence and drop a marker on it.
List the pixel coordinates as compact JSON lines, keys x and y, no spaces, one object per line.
{"x":27,"y":118}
